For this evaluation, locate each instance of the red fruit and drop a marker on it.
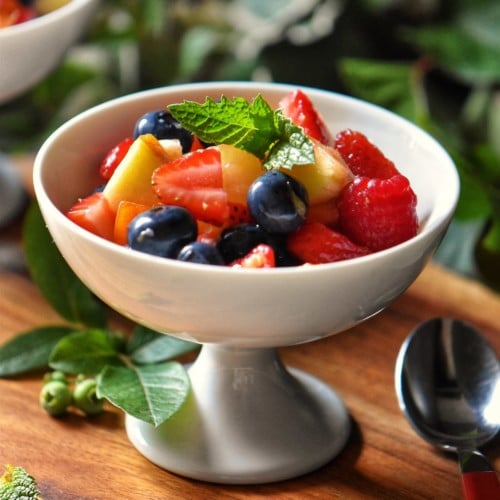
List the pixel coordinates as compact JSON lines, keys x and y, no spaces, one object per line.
{"x":363,"y":157}
{"x":378,"y":213}
{"x":300,"y":110}
{"x":262,"y":256}
{"x":114,"y":157}
{"x":315,"y":243}
{"x":94,"y":214}
{"x":194,"y":181}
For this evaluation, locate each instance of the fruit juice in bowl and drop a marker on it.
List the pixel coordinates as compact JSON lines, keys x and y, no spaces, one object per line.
{"x":239,"y":311}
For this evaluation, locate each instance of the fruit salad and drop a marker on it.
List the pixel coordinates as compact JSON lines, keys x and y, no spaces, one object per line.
{"x":237,"y":183}
{"x":19,"y":11}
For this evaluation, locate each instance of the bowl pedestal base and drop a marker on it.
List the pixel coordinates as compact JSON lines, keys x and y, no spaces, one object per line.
{"x":248,"y":420}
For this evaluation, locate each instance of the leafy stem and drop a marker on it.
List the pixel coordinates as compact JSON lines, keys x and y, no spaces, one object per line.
{"x":134,"y":372}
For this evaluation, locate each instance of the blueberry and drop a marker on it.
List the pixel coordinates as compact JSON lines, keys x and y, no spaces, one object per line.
{"x":236,"y":241}
{"x":277,"y":202}
{"x":163,"y":125}
{"x":201,"y":253}
{"x":162,"y":231}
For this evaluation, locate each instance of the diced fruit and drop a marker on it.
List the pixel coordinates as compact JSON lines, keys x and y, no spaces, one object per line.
{"x":131,"y":180}
{"x":278,"y":202}
{"x":201,"y":253}
{"x":325,"y":178}
{"x":46,"y":6}
{"x":262,"y":256}
{"x":127,"y":210}
{"x":327,"y":213}
{"x":315,"y":243}
{"x":194,"y":182}
{"x":208,"y":233}
{"x":94,"y":214}
{"x":363,"y":157}
{"x":300,"y":110}
{"x":378,"y":213}
{"x":114,"y":157}
{"x":163,"y":125}
{"x":162,"y":231}
{"x":239,"y":170}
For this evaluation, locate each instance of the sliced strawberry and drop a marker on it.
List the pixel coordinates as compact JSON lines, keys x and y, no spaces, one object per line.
{"x":194,"y":182}
{"x":378,"y":213}
{"x":315,"y":243}
{"x":262,"y":256}
{"x":114,"y":157}
{"x":301,"y":111}
{"x":94,"y":214}
{"x":362,"y":156}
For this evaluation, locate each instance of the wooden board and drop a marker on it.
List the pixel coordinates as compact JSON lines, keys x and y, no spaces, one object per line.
{"x":91,"y":458}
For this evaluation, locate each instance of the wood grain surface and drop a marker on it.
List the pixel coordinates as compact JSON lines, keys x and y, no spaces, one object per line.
{"x":91,"y":458}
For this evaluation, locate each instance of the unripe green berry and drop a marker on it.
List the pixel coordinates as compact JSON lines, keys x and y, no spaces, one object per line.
{"x":55,"y":397}
{"x":85,"y":397}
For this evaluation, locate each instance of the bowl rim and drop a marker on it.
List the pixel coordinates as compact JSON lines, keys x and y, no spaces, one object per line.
{"x":39,"y":22}
{"x":42,"y":195}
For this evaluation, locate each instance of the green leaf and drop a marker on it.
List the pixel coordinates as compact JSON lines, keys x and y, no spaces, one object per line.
{"x":387,"y":84}
{"x":152,"y":393}
{"x":254,"y":127}
{"x":459,"y":52}
{"x":148,"y":346}
{"x":55,"y":279}
{"x":86,"y":352}
{"x":30,"y":350}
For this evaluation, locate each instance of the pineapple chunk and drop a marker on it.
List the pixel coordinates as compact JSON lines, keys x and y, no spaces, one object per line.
{"x":131,"y":180}
{"x":326,"y":177}
{"x":239,"y":170}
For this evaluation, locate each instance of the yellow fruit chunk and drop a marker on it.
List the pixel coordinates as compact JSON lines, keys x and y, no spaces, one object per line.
{"x":131,"y":181}
{"x":127,"y":210}
{"x":46,"y":6}
{"x":326,"y":177}
{"x":239,"y":170}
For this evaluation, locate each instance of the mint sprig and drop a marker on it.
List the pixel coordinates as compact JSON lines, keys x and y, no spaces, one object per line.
{"x":134,"y":372}
{"x":252,"y":126}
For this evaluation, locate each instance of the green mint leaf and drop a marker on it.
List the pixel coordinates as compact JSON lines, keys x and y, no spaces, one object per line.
{"x":86,"y":352}
{"x":57,"y":282}
{"x":148,"y":346}
{"x":16,"y":483}
{"x":30,"y":350}
{"x":253,"y":127}
{"x":152,"y":393}
{"x":294,"y":149}
{"x":249,"y":126}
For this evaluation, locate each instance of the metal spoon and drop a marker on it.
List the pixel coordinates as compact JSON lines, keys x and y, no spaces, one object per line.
{"x":448,"y":385}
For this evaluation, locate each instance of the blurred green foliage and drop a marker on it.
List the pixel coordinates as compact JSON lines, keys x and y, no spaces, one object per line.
{"x":436,"y":62}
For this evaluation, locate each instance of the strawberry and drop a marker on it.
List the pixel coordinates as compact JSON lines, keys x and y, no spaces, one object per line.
{"x":94,"y":214}
{"x":378,"y":213}
{"x":363,"y":157}
{"x":261,"y":256}
{"x":114,"y":157}
{"x":301,"y":111}
{"x":315,"y":243}
{"x":196,"y":182}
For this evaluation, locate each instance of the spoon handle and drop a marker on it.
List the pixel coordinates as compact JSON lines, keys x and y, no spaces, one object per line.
{"x":481,"y":485}
{"x":479,"y":480}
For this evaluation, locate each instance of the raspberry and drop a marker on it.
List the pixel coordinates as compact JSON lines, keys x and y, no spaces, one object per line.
{"x":316,"y":243}
{"x":363,"y":157}
{"x":378,"y":213}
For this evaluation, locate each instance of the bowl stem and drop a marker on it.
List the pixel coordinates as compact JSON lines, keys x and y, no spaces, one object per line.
{"x":248,"y":420}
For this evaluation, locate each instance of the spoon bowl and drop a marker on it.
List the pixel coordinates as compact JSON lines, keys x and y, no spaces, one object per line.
{"x":448,"y":385}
